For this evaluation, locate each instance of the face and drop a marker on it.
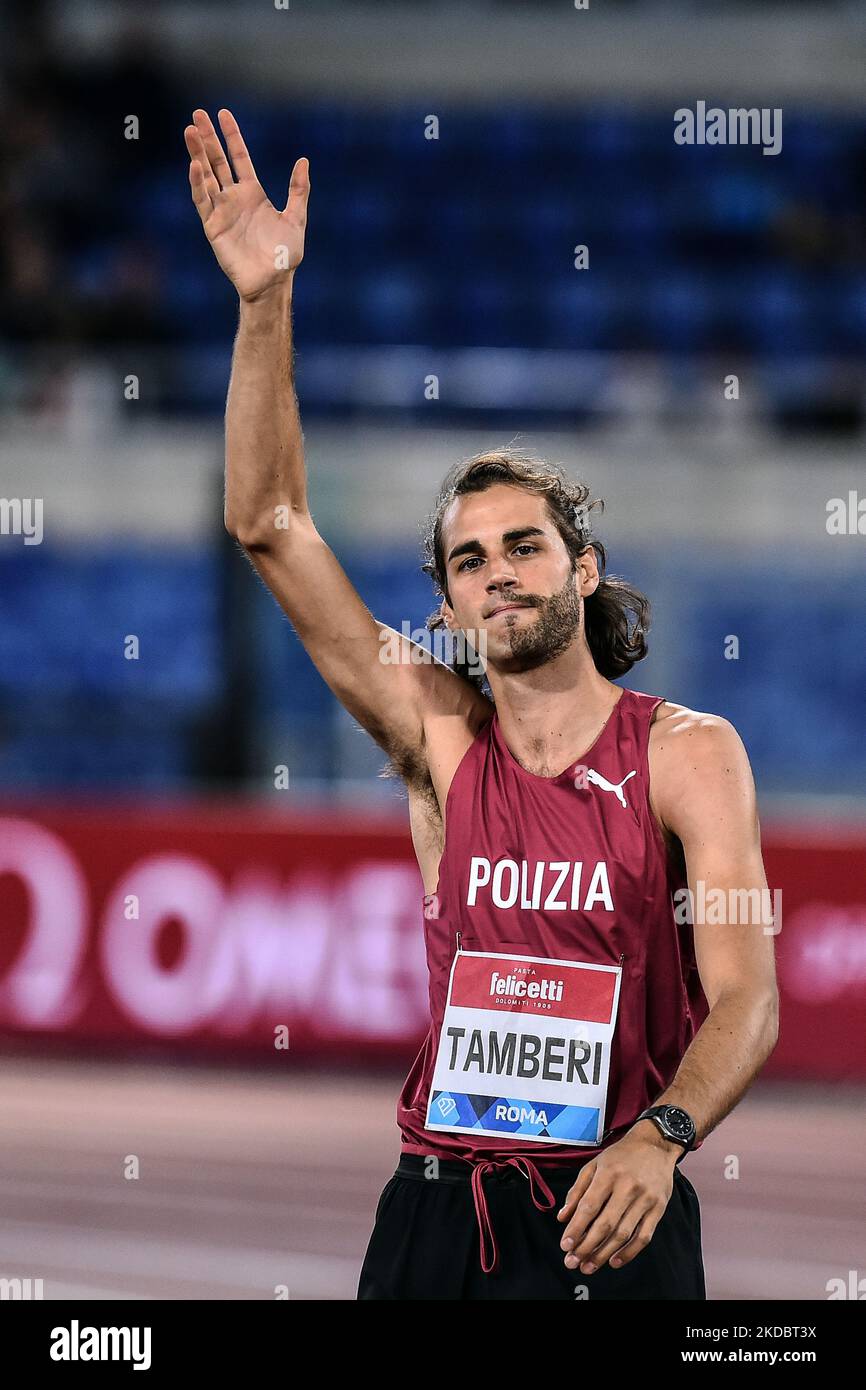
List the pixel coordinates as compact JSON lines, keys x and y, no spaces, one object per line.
{"x":510,"y":576}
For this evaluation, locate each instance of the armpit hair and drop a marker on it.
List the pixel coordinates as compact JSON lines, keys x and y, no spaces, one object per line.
{"x":410,"y":767}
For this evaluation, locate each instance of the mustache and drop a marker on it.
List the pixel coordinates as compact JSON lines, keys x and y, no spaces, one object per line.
{"x":521,"y":600}
{"x":531,"y":600}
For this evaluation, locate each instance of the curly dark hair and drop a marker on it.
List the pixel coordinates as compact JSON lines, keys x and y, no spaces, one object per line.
{"x":617,"y":615}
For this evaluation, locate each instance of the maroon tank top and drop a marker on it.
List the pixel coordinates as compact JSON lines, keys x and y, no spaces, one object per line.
{"x":568,"y":868}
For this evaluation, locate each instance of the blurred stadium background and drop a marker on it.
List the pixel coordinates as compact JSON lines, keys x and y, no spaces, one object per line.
{"x":447,"y":258}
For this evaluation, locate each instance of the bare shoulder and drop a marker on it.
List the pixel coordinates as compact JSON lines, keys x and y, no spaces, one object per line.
{"x":452,"y":700}
{"x":691,"y":737}
{"x":453,"y":710}
{"x":697,"y":760}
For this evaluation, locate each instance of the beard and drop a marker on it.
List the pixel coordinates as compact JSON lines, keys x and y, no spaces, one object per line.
{"x":557,"y":625}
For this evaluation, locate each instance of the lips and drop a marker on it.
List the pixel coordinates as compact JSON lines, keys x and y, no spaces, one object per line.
{"x":507,"y":608}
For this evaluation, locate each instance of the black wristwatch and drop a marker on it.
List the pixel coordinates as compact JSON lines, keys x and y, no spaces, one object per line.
{"x":674,"y":1123}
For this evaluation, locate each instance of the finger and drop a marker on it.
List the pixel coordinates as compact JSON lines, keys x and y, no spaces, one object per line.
{"x":588,"y":1209}
{"x":591,"y":1256}
{"x":575,"y":1192}
{"x":220,"y":166}
{"x":299,"y":191}
{"x":594,"y":1234}
{"x":195,"y":145}
{"x":200,"y":195}
{"x":238,"y":152}
{"x":639,"y":1240}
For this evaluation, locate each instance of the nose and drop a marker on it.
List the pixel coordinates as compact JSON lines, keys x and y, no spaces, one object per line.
{"x":501,"y":577}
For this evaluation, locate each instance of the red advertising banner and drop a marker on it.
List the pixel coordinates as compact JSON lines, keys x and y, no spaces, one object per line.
{"x":229,"y":926}
{"x":211,"y":925}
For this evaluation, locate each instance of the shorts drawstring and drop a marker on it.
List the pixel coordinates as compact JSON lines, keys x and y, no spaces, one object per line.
{"x":482,"y":1213}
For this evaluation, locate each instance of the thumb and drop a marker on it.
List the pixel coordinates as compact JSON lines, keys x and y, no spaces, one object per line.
{"x":299,"y":188}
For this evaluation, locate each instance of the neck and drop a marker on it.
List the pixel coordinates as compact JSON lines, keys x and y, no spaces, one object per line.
{"x":552,"y":715}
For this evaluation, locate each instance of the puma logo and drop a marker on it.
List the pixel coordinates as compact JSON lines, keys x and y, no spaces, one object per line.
{"x":597,"y":780}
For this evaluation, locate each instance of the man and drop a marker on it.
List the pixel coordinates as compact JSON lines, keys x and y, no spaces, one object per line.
{"x":560,"y":824}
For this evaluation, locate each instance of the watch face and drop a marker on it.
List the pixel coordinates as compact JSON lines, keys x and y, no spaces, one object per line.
{"x":678,"y":1122}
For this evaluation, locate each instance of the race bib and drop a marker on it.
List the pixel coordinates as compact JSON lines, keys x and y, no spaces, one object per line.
{"x":525,"y":1048}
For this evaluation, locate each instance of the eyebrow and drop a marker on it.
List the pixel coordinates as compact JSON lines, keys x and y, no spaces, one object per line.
{"x":475,"y":546}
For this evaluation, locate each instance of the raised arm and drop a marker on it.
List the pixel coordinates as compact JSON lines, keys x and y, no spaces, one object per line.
{"x":266,"y":509}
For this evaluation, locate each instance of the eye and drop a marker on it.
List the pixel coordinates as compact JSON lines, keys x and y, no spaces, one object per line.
{"x":525,"y":545}
{"x":469,"y":561}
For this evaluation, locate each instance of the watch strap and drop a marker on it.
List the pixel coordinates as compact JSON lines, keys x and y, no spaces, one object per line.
{"x":685,"y":1145}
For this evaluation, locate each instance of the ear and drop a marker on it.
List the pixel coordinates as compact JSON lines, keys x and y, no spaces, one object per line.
{"x":447,"y":614}
{"x":587,"y":573}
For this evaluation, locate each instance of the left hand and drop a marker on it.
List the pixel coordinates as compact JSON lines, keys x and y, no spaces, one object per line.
{"x":618,"y":1200}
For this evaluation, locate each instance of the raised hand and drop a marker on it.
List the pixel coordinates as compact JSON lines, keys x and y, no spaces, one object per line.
{"x":257,"y":246}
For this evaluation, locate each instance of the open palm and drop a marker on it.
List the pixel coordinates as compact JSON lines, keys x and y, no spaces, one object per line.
{"x":256,"y":245}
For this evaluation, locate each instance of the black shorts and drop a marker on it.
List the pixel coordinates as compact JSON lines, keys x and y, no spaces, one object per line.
{"x":425,"y":1242}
